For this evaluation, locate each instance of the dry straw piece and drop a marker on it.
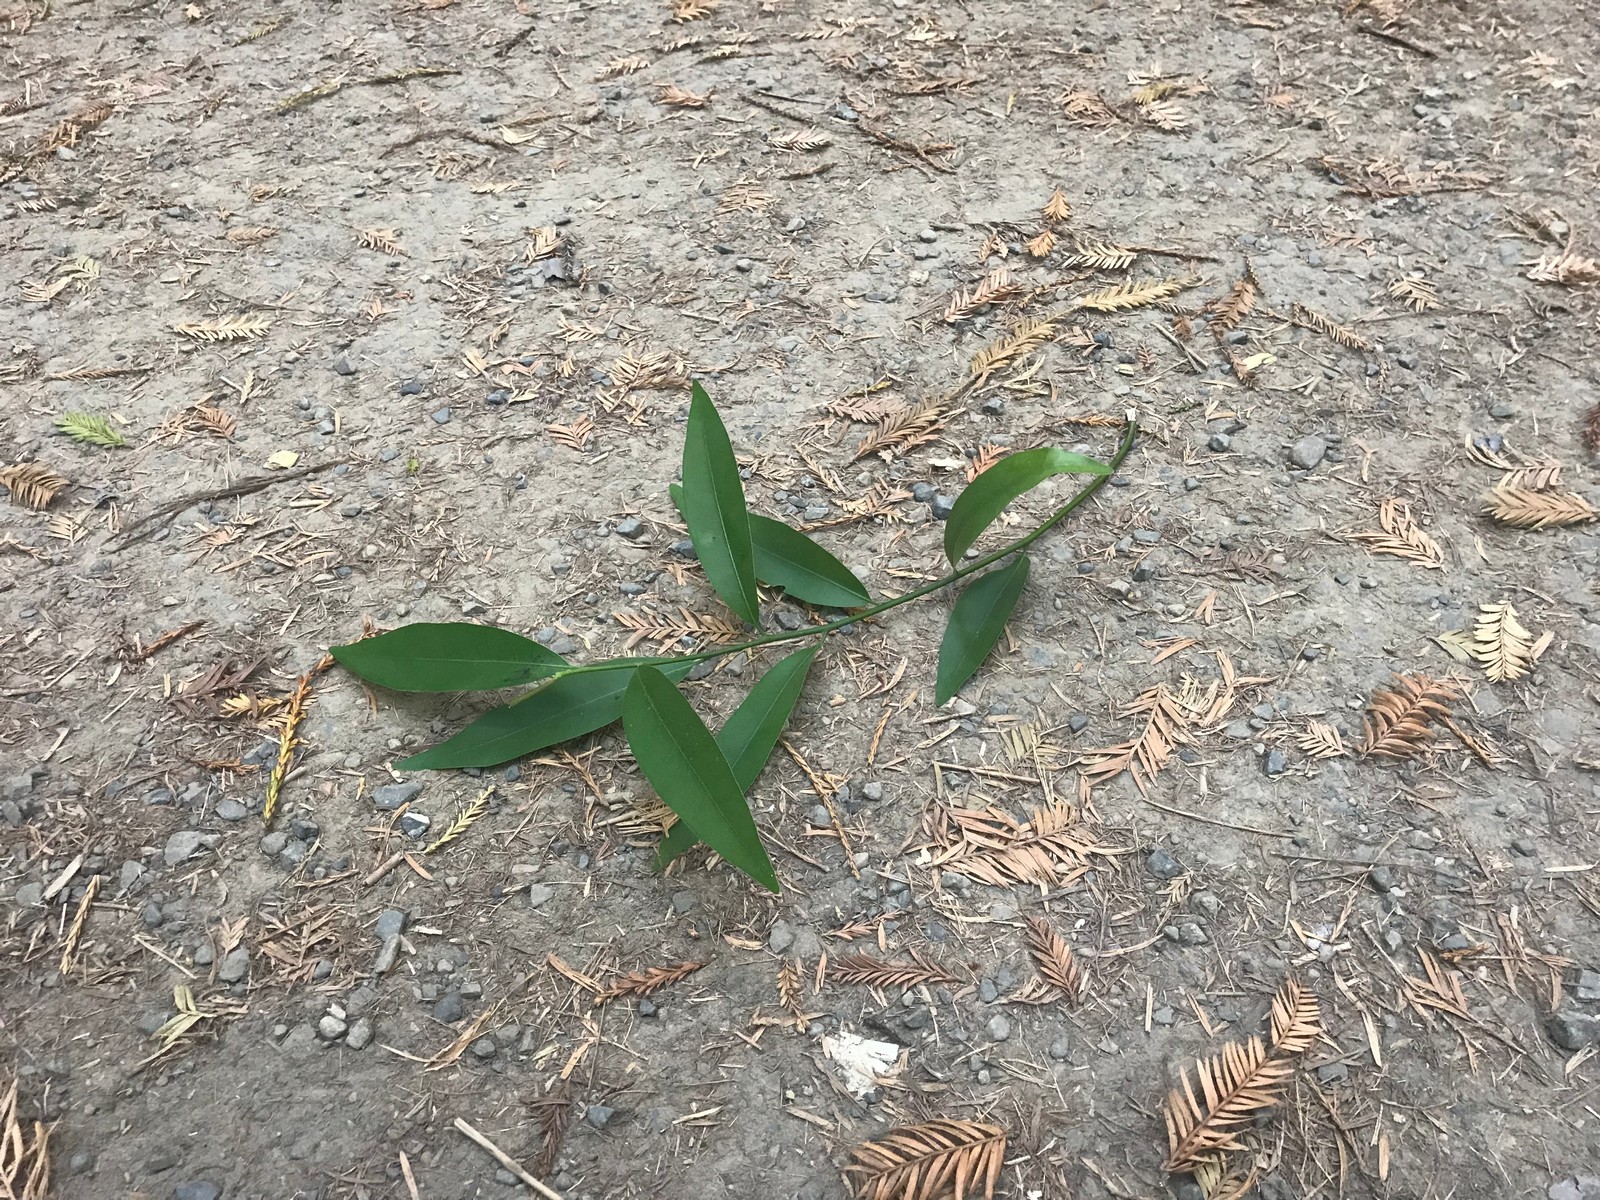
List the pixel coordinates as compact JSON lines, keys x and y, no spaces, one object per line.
{"x":936,"y":1160}
{"x":24,"y":1151}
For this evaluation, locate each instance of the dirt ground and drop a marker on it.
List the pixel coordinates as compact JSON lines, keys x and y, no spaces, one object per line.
{"x":462,"y":258}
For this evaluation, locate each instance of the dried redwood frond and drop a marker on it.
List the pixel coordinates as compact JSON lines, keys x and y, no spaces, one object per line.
{"x":931,"y":1161}
{"x":1538,"y":510}
{"x":642,"y":983}
{"x":884,"y":973}
{"x":1057,"y":965}
{"x":1399,"y":719}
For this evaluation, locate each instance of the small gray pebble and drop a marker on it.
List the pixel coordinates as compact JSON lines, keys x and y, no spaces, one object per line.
{"x":1162,"y":865}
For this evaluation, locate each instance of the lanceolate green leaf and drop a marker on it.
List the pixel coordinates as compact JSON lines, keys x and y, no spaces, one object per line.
{"x":786,"y":558}
{"x":975,"y":625}
{"x":681,"y":760}
{"x":674,"y":844}
{"x":449,"y":657}
{"x":567,"y":708}
{"x":713,"y":508}
{"x":987,"y":495}
{"x":748,"y":735}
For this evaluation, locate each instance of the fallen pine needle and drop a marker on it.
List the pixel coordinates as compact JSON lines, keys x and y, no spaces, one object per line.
{"x":506,"y":1161}
{"x":75,"y":930}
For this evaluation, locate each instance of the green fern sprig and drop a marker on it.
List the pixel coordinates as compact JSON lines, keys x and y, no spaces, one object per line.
{"x":86,"y":427}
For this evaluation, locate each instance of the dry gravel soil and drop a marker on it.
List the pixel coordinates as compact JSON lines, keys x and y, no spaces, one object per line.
{"x":462,"y":257}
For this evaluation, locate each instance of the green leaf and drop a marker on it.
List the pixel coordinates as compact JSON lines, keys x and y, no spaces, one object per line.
{"x":568,"y":707}
{"x":748,"y":735}
{"x":987,"y":496}
{"x":975,"y":625}
{"x":713,"y":508}
{"x":786,"y":558}
{"x":454,"y":656}
{"x":674,"y":844}
{"x":680,"y":758}
{"x":86,"y":427}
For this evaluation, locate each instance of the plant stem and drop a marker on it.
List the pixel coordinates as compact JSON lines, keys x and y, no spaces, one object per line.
{"x":855,"y":616}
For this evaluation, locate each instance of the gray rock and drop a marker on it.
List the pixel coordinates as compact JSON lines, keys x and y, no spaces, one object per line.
{"x":1219,"y":442}
{"x":941,"y":506}
{"x":273,"y":843}
{"x":235,"y":966}
{"x":483,"y":1048}
{"x":17,"y":787}
{"x":415,"y":824}
{"x":360,"y":1035}
{"x":1274,"y":762}
{"x":1381,"y":879}
{"x":1335,"y":1072}
{"x":1501,"y":410}
{"x":186,"y":843}
{"x":232,"y":810}
{"x":81,"y":1162}
{"x":196,"y":1189}
{"x":204,"y":955}
{"x":1163,"y":866}
{"x":999,"y":1028}
{"x":539,"y":894}
{"x":29,"y":895}
{"x":1573,"y":1030}
{"x":1308,"y":452}
{"x":341,"y":366}
{"x":599,"y":1115}
{"x":441,"y":416}
{"x":923,"y":493}
{"x":450,"y":1009}
{"x":391,"y":923}
{"x":631,"y":528}
{"x":781,"y":937}
{"x":392,"y":795}
{"x":1525,"y":847}
{"x":1589,"y":985}
{"x":1060,"y":1048}
{"x":987,"y":991}
{"x":872,"y":792}
{"x":331,"y":1028}
{"x":384,"y":960}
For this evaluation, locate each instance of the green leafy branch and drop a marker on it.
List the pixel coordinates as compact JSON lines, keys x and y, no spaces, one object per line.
{"x":87,"y":427}
{"x":703,"y":777}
